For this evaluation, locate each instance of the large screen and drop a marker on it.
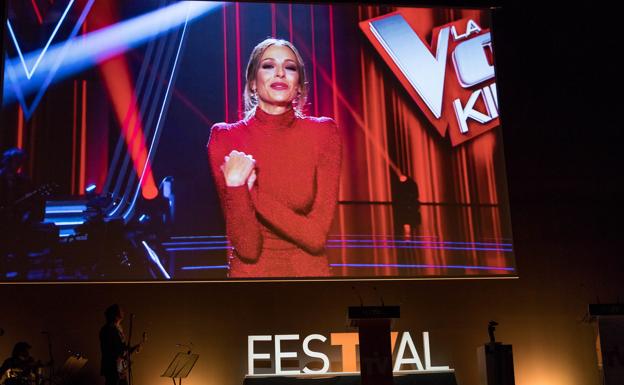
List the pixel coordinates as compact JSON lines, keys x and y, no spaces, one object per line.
{"x":189,"y":140}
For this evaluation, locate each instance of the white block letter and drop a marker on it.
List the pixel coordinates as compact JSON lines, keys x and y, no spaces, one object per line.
{"x":279,"y":355}
{"x":407,"y":340}
{"x":428,"y":355}
{"x":313,"y":354}
{"x":463,"y":114}
{"x":251,"y":356}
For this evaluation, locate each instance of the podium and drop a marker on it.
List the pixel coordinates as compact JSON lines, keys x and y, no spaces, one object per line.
{"x":495,"y":364}
{"x":495,"y":361}
{"x":374,"y":323}
{"x":609,"y":320}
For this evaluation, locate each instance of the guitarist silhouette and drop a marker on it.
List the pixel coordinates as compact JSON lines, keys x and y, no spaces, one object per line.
{"x":14,"y":216}
{"x":14,"y":186}
{"x":21,"y":210}
{"x":115,"y":349}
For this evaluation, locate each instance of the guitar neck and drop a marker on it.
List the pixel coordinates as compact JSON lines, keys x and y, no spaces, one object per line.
{"x":133,"y":348}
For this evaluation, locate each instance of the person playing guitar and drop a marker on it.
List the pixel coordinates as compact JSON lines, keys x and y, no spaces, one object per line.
{"x":115,"y":350}
{"x":22,"y":210}
{"x":14,"y":186}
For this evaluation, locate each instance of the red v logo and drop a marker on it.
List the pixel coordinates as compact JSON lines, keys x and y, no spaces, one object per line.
{"x":423,"y":70}
{"x":452,"y":81}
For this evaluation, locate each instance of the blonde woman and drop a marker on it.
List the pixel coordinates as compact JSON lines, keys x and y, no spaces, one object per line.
{"x":276,"y":171}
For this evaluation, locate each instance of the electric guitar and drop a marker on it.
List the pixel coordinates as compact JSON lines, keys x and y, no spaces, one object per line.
{"x":45,"y":190}
{"x":123,"y":362}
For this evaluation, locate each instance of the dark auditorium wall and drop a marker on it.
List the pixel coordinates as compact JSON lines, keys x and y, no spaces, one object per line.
{"x":563,"y":166}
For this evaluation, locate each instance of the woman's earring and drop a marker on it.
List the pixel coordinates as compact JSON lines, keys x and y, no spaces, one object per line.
{"x":297,"y":99}
{"x":254,"y":95}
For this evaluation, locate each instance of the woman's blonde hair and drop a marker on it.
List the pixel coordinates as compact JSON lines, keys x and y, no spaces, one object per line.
{"x":251,"y":99}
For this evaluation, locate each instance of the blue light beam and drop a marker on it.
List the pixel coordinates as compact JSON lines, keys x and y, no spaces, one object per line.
{"x":45,"y":81}
{"x":83,"y":52}
{"x":29,"y":73}
{"x":165,"y":103}
{"x":154,"y":257}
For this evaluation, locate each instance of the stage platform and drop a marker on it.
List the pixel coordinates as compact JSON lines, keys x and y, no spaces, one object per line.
{"x":415,"y":377}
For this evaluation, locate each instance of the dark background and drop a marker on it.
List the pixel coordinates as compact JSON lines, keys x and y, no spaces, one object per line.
{"x":558,"y":90}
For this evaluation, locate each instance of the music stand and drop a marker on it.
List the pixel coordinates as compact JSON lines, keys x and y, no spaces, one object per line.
{"x":72,"y":365}
{"x":180,"y":367}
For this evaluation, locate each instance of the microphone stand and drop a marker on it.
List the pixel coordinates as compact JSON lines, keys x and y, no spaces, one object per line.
{"x":358,"y":295}
{"x":51,"y":362}
{"x":129,"y":353}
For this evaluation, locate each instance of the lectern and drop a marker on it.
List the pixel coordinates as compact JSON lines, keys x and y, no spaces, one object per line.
{"x":609,"y":320}
{"x":374,"y":323}
{"x":495,"y":361}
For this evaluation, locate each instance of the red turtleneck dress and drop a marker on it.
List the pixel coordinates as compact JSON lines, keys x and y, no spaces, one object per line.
{"x":279,"y":228}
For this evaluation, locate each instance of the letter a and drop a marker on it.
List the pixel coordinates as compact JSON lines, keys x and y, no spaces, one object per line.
{"x":400,"y":360}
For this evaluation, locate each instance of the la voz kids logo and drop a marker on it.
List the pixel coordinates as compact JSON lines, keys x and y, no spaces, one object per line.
{"x":451,"y":80}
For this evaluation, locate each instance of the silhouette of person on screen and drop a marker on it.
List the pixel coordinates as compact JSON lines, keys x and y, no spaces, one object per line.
{"x":21,"y":210}
{"x":406,"y":206}
{"x":14,"y":187}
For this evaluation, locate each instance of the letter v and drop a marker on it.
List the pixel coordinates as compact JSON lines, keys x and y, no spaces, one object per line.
{"x":424,"y":71}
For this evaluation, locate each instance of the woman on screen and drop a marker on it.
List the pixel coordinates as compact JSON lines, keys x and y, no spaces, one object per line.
{"x":276,"y":171}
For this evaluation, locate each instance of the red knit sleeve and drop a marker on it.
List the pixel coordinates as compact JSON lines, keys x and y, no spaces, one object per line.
{"x":309,"y":231}
{"x":241,"y":224}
